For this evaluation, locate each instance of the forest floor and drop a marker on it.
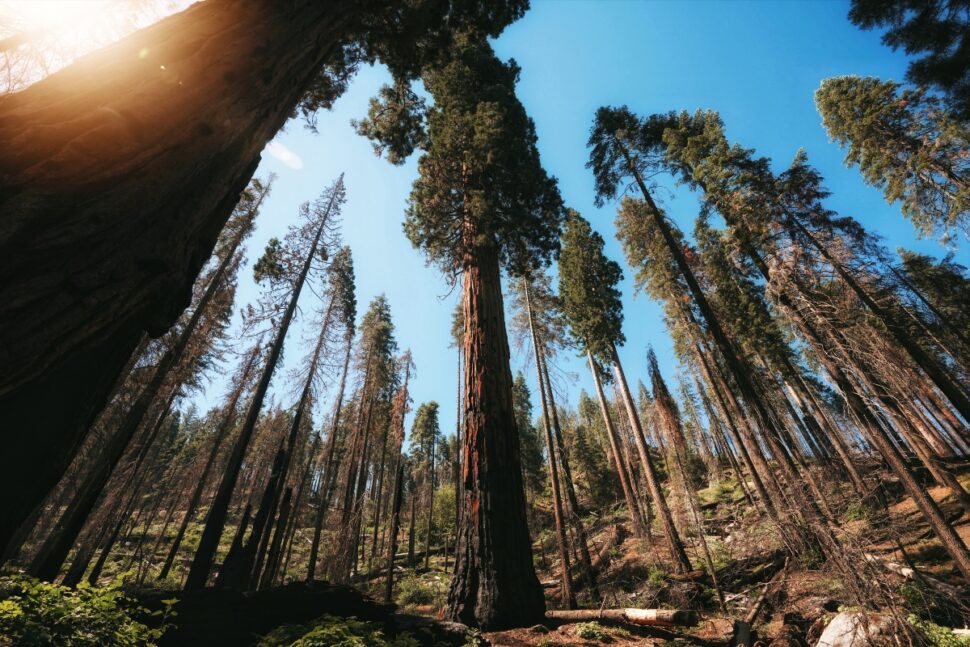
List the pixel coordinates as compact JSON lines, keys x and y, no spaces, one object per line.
{"x":785,"y":601}
{"x":800,"y":597}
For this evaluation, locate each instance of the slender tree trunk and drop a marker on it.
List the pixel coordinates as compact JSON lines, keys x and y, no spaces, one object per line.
{"x":582,"y":538}
{"x":639,"y":528}
{"x":216,"y":520}
{"x":566,"y":586}
{"x":427,"y":536}
{"x":328,"y":476}
{"x":674,"y":542}
{"x":394,"y":520}
{"x":494,"y":584}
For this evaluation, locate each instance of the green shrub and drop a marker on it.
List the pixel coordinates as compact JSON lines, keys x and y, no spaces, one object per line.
{"x":590,"y":631}
{"x":937,"y":635}
{"x":35,"y":613}
{"x":414,"y":591}
{"x":331,"y":631}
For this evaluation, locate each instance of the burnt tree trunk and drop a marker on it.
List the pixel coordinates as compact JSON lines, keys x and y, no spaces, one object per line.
{"x":178,"y":111}
{"x":494,"y":584}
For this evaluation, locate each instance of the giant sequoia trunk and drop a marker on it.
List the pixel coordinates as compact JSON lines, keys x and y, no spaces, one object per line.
{"x":116,"y":175}
{"x":494,"y":584}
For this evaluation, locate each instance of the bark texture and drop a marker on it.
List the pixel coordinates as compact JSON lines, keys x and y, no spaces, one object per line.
{"x":116,"y":176}
{"x":494,"y":584}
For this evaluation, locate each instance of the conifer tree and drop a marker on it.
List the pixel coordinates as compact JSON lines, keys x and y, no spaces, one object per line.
{"x":425,"y":438}
{"x":937,"y":30}
{"x":591,"y":304}
{"x":905,"y":143}
{"x":482,"y":201}
{"x":288,"y":269}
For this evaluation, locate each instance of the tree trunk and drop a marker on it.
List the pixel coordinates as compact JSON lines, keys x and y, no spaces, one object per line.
{"x":674,"y":543}
{"x":568,"y":596}
{"x":179,"y":111}
{"x":571,"y":498}
{"x":639,"y":528}
{"x":395,"y":518}
{"x":328,"y":476}
{"x":494,"y":584}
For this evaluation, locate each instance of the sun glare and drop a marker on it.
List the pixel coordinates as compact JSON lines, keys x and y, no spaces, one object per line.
{"x":39,"y":36}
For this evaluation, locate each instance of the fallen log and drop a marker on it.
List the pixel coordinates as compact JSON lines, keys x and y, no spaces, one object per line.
{"x":910,"y":574}
{"x":756,"y":607}
{"x":642,"y":617}
{"x":600,"y":562}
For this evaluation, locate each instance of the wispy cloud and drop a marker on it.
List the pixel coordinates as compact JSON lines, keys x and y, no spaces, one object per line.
{"x":284,"y":154}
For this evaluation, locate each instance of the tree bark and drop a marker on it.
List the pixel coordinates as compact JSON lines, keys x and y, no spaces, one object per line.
{"x":178,"y":111}
{"x":494,"y":584}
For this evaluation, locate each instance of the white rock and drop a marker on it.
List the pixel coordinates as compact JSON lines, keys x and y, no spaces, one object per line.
{"x":855,"y":629}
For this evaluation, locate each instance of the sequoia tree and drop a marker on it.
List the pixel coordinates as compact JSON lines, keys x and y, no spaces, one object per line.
{"x":118,"y":172}
{"x":482,"y":201}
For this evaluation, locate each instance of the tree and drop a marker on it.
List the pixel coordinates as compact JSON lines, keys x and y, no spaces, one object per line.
{"x":287,"y":268}
{"x":591,"y":304}
{"x":530,"y":445}
{"x":936,"y":29}
{"x":85,"y":252}
{"x":482,"y":201}
{"x":425,"y":437}
{"x":905,"y":143}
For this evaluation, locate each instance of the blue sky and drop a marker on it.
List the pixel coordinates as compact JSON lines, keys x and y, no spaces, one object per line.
{"x":757,"y":63}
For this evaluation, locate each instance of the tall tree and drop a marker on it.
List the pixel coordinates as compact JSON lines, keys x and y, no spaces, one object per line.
{"x":84,"y":251}
{"x":591,"y":304}
{"x":937,"y":29}
{"x":288,"y":268}
{"x":425,"y":438}
{"x":482,"y":201}
{"x":905,"y":143}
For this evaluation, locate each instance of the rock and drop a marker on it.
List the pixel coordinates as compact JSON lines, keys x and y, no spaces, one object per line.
{"x":539,"y":629}
{"x":832,"y":606}
{"x":856,"y":629}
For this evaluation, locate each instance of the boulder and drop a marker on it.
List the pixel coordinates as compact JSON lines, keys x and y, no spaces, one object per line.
{"x":857,"y":629}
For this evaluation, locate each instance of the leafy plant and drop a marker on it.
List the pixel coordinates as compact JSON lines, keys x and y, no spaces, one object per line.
{"x":937,"y":635}
{"x":590,"y":631}
{"x":35,"y":613}
{"x":331,"y":631}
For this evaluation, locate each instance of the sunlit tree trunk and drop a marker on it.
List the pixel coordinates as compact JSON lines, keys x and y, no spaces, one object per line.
{"x":178,"y":111}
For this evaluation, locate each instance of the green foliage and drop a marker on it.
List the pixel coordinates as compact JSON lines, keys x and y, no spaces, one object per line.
{"x":413,"y":591}
{"x":530,"y":446}
{"x":905,"y":144}
{"x":590,"y":631}
{"x":937,"y":635}
{"x":270,"y":267}
{"x":938,"y":30}
{"x":35,"y":613}
{"x":481,"y":184}
{"x":587,"y":287}
{"x":331,"y":631}
{"x":341,"y":280}
{"x":656,"y":578}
